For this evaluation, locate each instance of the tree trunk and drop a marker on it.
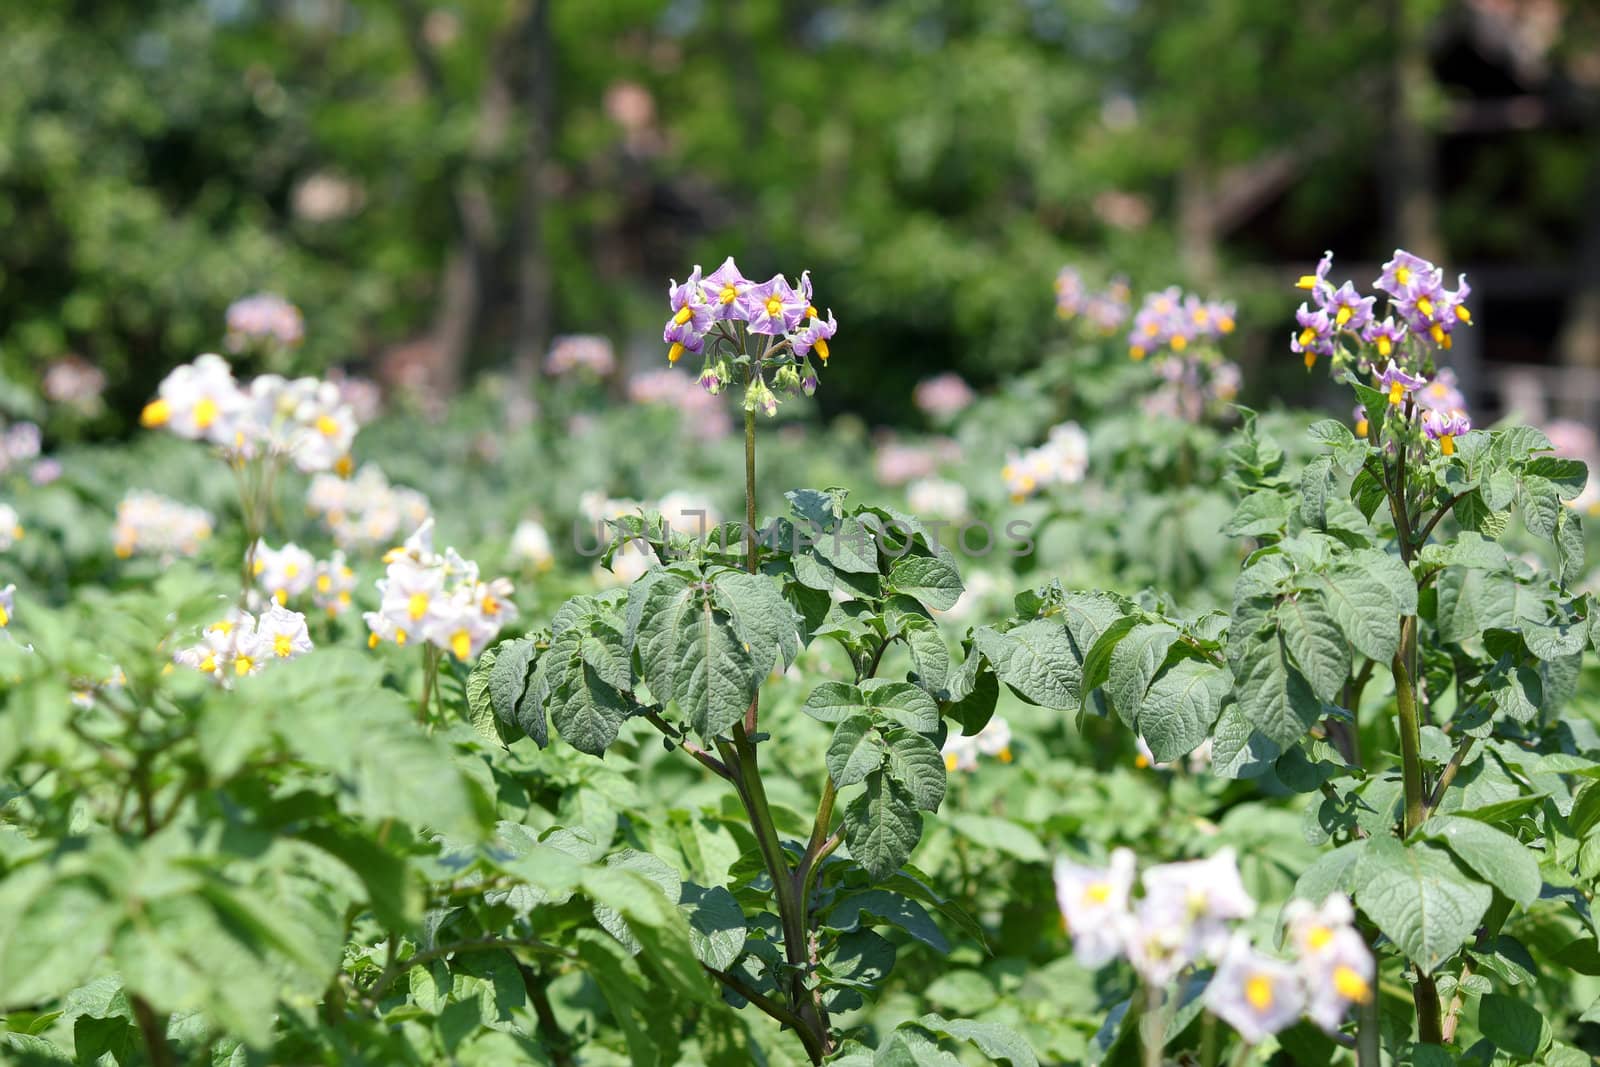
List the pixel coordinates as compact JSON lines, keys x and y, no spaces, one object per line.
{"x":464,"y":280}
{"x":1579,"y":342}
{"x":1197,"y":226}
{"x":534,"y":279}
{"x":1411,"y":187}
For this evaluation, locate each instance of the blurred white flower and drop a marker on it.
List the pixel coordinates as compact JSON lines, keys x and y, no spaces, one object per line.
{"x":1254,"y":993}
{"x":1094,"y":906}
{"x":151,"y":524}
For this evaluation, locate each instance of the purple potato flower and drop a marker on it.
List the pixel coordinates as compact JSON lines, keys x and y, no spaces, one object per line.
{"x":1443,"y":393}
{"x":1316,"y":334}
{"x":1387,"y":335}
{"x":1350,"y":310}
{"x":814,"y":337}
{"x":1397,"y":383}
{"x":773,"y":307}
{"x":1445,"y":427}
{"x":1405,"y":275}
{"x":682,"y":337}
{"x":1318,"y":283}
{"x":689,"y":305}
{"x":724,"y":289}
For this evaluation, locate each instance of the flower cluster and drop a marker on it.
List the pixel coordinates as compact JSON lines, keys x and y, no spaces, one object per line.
{"x":304,"y":419}
{"x":1427,"y":314}
{"x":961,"y":752}
{"x":1105,"y":310}
{"x":704,"y":415}
{"x":242,"y":644}
{"x":438,"y":599}
{"x":74,"y":382}
{"x":1415,"y":293}
{"x":1173,"y":320}
{"x":19,"y":443}
{"x":263,"y":320}
{"x":708,"y":310}
{"x":8,"y":605}
{"x":587,"y":352}
{"x":943,"y":396}
{"x":290,"y":572}
{"x":1193,"y":385}
{"x":154,"y":525}
{"x":10,"y":527}
{"x":1185,"y":917}
{"x":365,"y":511}
{"x":1062,"y":460}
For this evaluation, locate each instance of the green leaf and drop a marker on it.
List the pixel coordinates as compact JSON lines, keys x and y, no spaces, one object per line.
{"x":901,"y":703}
{"x":1419,"y":899}
{"x":850,"y":547}
{"x":1569,"y":546}
{"x":915,"y":763}
{"x":994,"y":1040}
{"x":933,"y":581}
{"x":1566,"y":476}
{"x":1261,"y":513}
{"x":991,"y":831}
{"x":1134,"y":662}
{"x":1238,"y":749}
{"x":1496,"y":856}
{"x":480,"y":706}
{"x":586,"y":711}
{"x":1181,"y":706}
{"x":764,"y":620}
{"x":1365,"y":610}
{"x":1316,"y":485}
{"x":1334,"y":872}
{"x":509,"y":671}
{"x":716,"y":925}
{"x":930,"y":656}
{"x":884,"y":906}
{"x":1513,"y":1025}
{"x":834,"y":702}
{"x":1474,"y":513}
{"x":1317,"y":644}
{"x":1273,"y":695}
{"x":881,"y":826}
{"x":855,"y":752}
{"x":1037,"y":660}
{"x":1097,"y":662}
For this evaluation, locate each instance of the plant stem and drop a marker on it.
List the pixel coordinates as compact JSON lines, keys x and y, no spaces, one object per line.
{"x":1410,"y":746}
{"x":1152,"y":1028}
{"x":556,"y":1041}
{"x":430,"y":667}
{"x":750,"y":490}
{"x":1448,"y":775}
{"x":1369,"y":1043}
{"x":777,"y":1011}
{"x":153,"y":1028}
{"x":1452,"y":1017}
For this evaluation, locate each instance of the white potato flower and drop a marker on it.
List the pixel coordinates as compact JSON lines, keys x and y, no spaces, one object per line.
{"x":1254,"y":993}
{"x":1094,"y":906}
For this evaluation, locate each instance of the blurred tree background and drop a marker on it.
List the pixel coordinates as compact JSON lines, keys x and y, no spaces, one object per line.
{"x":444,"y":186}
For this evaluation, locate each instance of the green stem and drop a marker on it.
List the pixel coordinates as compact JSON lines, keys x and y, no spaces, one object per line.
{"x":1369,"y":1038}
{"x":750,"y":490}
{"x":153,"y":1028}
{"x":1153,"y":1028}
{"x":430,"y":668}
{"x":1410,"y":746}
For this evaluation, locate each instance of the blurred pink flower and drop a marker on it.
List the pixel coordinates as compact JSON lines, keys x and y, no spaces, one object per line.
{"x":943,"y":395}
